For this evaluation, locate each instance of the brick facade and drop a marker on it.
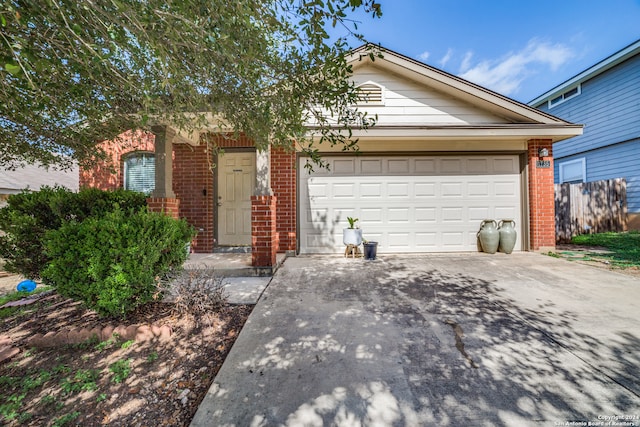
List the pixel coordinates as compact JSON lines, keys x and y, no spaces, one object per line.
{"x":108,"y":175}
{"x":283,"y":183}
{"x":264,"y":237}
{"x":542,"y":225}
{"x":274,"y":217}
{"x":194,"y":178}
{"x":193,"y":185}
{"x":167,"y":205}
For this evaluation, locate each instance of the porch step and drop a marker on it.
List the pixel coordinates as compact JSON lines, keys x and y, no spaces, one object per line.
{"x":232,"y":264}
{"x":232,"y":250}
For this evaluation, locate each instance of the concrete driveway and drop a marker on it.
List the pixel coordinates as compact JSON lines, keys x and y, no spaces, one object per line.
{"x":448,"y":340}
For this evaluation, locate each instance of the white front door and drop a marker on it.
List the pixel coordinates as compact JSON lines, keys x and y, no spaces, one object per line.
{"x":236,"y":181}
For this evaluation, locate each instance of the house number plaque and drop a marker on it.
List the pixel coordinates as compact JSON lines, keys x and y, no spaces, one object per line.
{"x":543,"y":164}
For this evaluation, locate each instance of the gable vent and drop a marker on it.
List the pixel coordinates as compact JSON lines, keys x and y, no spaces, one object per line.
{"x":370,"y":94}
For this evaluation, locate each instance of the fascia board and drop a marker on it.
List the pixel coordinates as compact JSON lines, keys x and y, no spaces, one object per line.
{"x":556,"y":133}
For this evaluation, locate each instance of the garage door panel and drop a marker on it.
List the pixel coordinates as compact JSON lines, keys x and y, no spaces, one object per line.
{"x":371,"y":166}
{"x":451,"y":189}
{"x":450,"y":166}
{"x":425,"y":215}
{"x":504,"y":212}
{"x":453,"y":239}
{"x":452,"y":214}
{"x":509,"y":189}
{"x":342,"y":191}
{"x":371,"y":189}
{"x":398,"y":189}
{"x":506,"y":165}
{"x":426,"y":241}
{"x":371,"y":216}
{"x":417,"y":204}
{"x":479,"y":189}
{"x":399,"y":241}
{"x":478,"y":166}
{"x":401,"y":215}
{"x":318,"y":190}
{"x":341,"y":166}
{"x":398,"y":166}
{"x":479,"y":214}
{"x":425,"y":166}
{"x":319,"y":215}
{"x":425,"y":189}
{"x":318,"y":242}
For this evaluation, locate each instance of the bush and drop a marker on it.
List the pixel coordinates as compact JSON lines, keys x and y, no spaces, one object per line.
{"x":199,"y":293}
{"x":115,"y":263}
{"x":29,"y":215}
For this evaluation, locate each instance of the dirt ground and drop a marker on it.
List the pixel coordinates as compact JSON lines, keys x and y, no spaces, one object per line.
{"x":8,"y":282}
{"x":116,"y":381}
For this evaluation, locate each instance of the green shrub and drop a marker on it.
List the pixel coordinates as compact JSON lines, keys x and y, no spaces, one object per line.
{"x":29,"y":215}
{"x":115,"y":263}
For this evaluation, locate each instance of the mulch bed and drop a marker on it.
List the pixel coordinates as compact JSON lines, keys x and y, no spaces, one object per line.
{"x":169,"y":371}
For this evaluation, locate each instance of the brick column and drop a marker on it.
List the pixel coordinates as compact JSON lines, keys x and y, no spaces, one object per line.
{"x":283,"y":181}
{"x":264,"y":240}
{"x":164,"y":161}
{"x":167,"y":205}
{"x":542,"y":219}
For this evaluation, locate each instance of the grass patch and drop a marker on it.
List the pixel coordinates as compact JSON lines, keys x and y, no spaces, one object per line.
{"x":624,"y":247}
{"x":15,"y":296}
{"x":120,"y":370}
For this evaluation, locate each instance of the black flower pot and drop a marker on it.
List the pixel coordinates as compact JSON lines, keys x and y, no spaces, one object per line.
{"x":370,"y":250}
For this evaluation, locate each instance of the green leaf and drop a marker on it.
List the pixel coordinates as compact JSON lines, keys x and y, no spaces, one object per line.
{"x":14,"y":69}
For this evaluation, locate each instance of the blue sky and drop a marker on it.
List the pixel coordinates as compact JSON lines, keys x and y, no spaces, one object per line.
{"x":519,"y":48}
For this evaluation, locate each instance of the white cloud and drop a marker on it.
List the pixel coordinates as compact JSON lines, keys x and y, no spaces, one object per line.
{"x":507,"y":74}
{"x":424,"y":56}
{"x":446,"y":57}
{"x":466,"y":62}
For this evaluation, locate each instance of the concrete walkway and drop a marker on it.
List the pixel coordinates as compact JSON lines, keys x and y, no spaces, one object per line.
{"x":451,"y":340}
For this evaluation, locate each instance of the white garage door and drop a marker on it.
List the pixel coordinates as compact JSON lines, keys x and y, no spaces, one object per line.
{"x":408,"y":204}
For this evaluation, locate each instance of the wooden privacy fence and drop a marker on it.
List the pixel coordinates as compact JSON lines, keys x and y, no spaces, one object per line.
{"x":590,"y":207}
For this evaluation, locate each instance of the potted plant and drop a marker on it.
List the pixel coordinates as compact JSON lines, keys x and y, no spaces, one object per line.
{"x":353,"y":234}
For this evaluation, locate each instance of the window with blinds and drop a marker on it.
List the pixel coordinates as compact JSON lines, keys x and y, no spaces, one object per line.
{"x":140,"y":172}
{"x":573,"y":171}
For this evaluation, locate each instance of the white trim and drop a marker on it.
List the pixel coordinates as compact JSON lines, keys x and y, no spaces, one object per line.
{"x":562,"y":165}
{"x":567,"y":95}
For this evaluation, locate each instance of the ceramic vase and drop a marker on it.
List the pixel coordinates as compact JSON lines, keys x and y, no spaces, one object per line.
{"x":489,"y":236}
{"x":352,"y":236}
{"x":508,"y":235}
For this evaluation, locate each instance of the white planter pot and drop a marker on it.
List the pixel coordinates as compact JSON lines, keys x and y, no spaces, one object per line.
{"x":352,"y":236}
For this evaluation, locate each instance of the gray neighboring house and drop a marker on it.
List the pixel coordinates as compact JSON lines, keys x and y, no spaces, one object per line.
{"x":33,"y":177}
{"x":606,"y":99}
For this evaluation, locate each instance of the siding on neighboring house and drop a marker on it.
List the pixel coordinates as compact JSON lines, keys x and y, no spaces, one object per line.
{"x":33,"y":177}
{"x":609,"y":107}
{"x":600,"y":162}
